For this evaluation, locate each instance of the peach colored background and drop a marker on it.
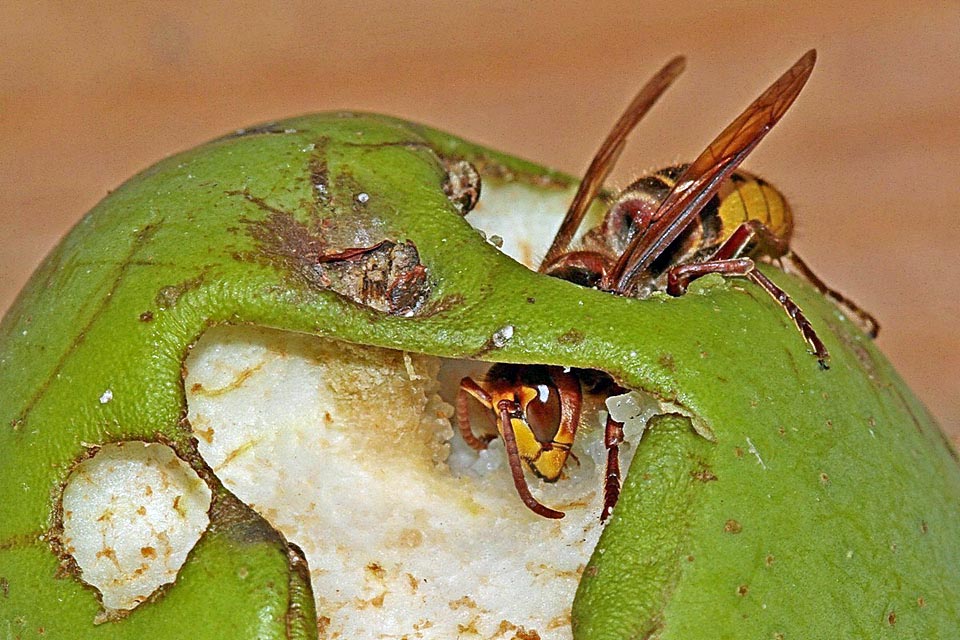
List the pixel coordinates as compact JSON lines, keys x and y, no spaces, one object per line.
{"x":869,"y":155}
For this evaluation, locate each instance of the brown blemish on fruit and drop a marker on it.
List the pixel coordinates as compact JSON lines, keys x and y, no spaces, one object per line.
{"x":540,"y":570}
{"x":769,"y":560}
{"x":323,"y":623}
{"x":703,"y":473}
{"x":559,"y":622}
{"x":518,"y":633}
{"x":466,"y":602}
{"x":376,"y":571}
{"x":422,"y":625}
{"x":170,"y":295}
{"x":110,"y":554}
{"x":236,"y":383}
{"x":387,"y":275}
{"x":571,"y":337}
{"x":468,"y":629}
{"x":742,"y":590}
{"x":146,"y":316}
{"x":892,"y":618}
{"x":732,"y":526}
{"x":666,"y":361}
{"x":179,"y":508}
{"x":461,"y":185}
{"x":412,"y":582}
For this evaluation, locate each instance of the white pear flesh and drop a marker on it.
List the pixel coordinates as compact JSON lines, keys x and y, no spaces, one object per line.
{"x":131,"y":514}
{"x":350,"y":453}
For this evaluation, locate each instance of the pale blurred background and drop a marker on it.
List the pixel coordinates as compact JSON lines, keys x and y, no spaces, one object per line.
{"x":869,"y":155}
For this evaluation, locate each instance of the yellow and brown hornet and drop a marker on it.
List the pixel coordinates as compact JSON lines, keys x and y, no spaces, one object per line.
{"x":662,"y":232}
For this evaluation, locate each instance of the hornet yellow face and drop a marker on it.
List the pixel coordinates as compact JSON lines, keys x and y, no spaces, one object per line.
{"x":543,"y":440}
{"x":537,"y":412}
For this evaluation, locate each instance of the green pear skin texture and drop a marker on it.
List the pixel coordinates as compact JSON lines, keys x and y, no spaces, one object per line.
{"x":785,"y":502}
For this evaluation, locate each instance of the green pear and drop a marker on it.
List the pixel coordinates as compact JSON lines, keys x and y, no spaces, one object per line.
{"x":768,"y":498}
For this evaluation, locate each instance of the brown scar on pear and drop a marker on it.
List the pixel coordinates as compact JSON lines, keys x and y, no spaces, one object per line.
{"x":387,"y":276}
